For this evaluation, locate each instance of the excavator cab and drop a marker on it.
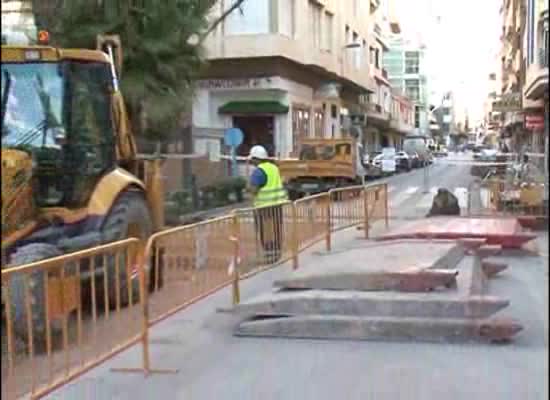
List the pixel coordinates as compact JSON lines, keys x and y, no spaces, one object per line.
{"x":58,"y":113}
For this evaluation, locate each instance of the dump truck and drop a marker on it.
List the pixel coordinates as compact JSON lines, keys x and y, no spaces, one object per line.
{"x":322,"y":164}
{"x":71,"y":178}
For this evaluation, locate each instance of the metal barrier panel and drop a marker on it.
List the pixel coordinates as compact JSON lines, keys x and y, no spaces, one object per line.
{"x":187,"y":263}
{"x":312,"y":221}
{"x":500,"y":197}
{"x":377,"y":203}
{"x":347,"y":207}
{"x":265,"y":236}
{"x":64,"y":315}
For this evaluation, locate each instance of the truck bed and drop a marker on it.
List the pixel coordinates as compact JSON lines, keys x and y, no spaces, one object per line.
{"x":291,"y":169}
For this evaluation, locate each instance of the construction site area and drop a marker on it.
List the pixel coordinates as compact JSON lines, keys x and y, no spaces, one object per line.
{"x":366,"y":290}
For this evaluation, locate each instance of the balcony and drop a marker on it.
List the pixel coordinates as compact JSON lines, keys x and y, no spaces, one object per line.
{"x":375,"y":113}
{"x":536,"y":82}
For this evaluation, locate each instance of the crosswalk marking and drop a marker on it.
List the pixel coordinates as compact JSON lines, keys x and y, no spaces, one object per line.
{"x":411,"y":190}
{"x":402,"y":197}
{"x":461,"y":194}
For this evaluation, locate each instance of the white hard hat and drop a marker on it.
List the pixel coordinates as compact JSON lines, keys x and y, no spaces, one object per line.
{"x":258,"y":152}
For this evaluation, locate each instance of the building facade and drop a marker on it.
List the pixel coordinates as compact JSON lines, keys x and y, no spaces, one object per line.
{"x":284,"y":70}
{"x":405,"y":63}
{"x":535,"y":85}
{"x":380,"y":105}
{"x":18,"y":16}
{"x":509,"y":103}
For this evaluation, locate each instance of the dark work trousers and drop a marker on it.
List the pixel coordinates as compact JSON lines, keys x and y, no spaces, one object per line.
{"x":269,"y":232}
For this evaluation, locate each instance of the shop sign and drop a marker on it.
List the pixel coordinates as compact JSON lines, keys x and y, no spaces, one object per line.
{"x":241,"y":83}
{"x":534,"y":121}
{"x":508,"y":103}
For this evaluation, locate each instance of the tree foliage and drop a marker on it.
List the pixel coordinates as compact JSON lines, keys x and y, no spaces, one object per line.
{"x":161,"y":59}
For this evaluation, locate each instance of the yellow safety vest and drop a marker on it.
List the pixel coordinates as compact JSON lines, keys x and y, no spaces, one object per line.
{"x":273,"y":192}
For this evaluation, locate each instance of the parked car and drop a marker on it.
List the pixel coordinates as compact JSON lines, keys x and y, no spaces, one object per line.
{"x":374,"y":170}
{"x":403,"y":161}
{"x":377,"y":162}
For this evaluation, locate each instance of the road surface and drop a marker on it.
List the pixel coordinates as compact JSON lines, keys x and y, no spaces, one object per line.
{"x":213,"y":364}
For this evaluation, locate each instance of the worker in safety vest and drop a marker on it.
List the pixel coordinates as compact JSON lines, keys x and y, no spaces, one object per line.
{"x":269,"y":194}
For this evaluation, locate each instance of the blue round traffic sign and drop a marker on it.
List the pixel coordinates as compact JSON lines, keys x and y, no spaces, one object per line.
{"x":233,"y":137}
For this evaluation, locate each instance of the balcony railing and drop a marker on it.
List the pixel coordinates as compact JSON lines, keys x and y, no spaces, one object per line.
{"x":376,"y":108}
{"x":543,"y":57}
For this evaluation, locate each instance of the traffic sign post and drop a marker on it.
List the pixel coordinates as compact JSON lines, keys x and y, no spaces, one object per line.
{"x":233,"y":138}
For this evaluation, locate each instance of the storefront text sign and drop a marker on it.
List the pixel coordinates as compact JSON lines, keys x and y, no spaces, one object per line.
{"x":243,"y":83}
{"x":508,"y":102}
{"x":534,"y":121}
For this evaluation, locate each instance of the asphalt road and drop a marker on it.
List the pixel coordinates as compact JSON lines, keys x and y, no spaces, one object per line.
{"x":213,"y":364}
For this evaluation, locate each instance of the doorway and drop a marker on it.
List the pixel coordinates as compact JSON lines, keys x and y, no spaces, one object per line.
{"x":257,"y":130}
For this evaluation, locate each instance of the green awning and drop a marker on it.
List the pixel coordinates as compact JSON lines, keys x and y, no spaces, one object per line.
{"x":253,"y":107}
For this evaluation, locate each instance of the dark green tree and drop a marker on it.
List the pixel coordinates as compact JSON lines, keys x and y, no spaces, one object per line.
{"x":162,"y":44}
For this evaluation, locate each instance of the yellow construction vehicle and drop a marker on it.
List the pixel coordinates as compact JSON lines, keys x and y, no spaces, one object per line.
{"x":71,"y":178}
{"x":323,"y":164}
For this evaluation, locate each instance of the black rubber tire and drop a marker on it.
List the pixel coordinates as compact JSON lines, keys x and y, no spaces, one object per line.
{"x":25,"y":255}
{"x":129,"y":208}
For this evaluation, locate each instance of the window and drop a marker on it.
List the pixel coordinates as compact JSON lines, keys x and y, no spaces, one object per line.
{"x":375,"y":57}
{"x":356,"y":52}
{"x":318,"y":125}
{"x":327,"y":32}
{"x":315,"y":18}
{"x":412,"y":89}
{"x":300,"y":124}
{"x":417,"y":116}
{"x":530,"y":31}
{"x":286,"y":17}
{"x":347,"y":39}
{"x":253,"y":19}
{"x":412,"y":61}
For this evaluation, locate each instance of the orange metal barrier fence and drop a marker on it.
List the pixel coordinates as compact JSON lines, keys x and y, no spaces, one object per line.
{"x":58,"y":321}
{"x":188,"y":263}
{"x":265,"y":237}
{"x":500,"y":197}
{"x":179,"y":266}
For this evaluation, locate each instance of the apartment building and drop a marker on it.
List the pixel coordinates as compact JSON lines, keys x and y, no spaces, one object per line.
{"x":402,"y":120}
{"x":405,"y":64}
{"x":535,"y":85}
{"x":509,"y":102}
{"x":284,"y":70}
{"x":492,"y":118}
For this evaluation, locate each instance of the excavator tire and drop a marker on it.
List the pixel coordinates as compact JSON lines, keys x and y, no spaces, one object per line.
{"x":129,"y":217}
{"x":27,"y":254}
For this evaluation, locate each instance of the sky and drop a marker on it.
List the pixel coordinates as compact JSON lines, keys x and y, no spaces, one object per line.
{"x":462,"y":39}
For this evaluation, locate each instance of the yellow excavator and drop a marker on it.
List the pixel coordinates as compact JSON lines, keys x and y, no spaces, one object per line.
{"x":71,"y":178}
